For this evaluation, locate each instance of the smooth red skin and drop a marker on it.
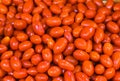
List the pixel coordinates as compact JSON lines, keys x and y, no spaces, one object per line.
{"x":89,"y":46}
{"x":69,"y":76}
{"x":27,"y":17}
{"x":116,"y":60}
{"x":117,"y":76}
{"x":18,"y":15}
{"x":47,"y":39}
{"x":29,"y":31}
{"x":71,"y":59}
{"x":25,"y":45}
{"x":36,"y":58}
{"x":116,"y":7}
{"x":81,"y":8}
{"x":8,"y":30}
{"x":94,"y":56}
{"x":21,"y":37}
{"x":22,"y":73}
{"x":104,"y":10}
{"x":29,"y":78}
{"x":57,"y":57}
{"x":38,"y":48}
{"x":18,"y":53}
{"x":81,"y":55}
{"x":113,"y":27}
{"x":55,"y":9}
{"x":77,"y":69}
{"x":91,"y":5}
{"x":114,"y":36}
{"x":56,"y":32}
{"x":54,"y":71}
{"x":10,"y":15}
{"x":41,"y":77}
{"x":106,"y":61}
{"x":100,"y":78}
{"x":108,"y":49}
{"x":6,"y":2}
{"x":47,"y":54}
{"x":46,"y":13}
{"x":69,"y":49}
{"x":76,"y":31}
{"x":116,"y":15}
{"x":28,"y":54}
{"x":80,"y":43}
{"x":65,"y":65}
{"x":5,"y":65}
{"x":87,"y":32}
{"x":99,"y":35}
{"x":43,"y":66}
{"x":68,"y":36}
{"x":68,"y":20}
{"x":26,"y":64}
{"x":2,"y":72}
{"x":35,"y":39}
{"x":3,"y":48}
{"x":3,"y":9}
{"x":20,"y":24}
{"x":88,"y":68}
{"x":38,"y":28}
{"x":99,"y":69}
{"x":97,"y":47}
{"x":14,"y":43}
{"x":60,"y":45}
{"x":116,"y":41}
{"x":32,"y":71}
{"x":5,"y":40}
{"x":90,"y":13}
{"x":53,"y":21}
{"x":80,"y":76}
{"x":106,"y":39}
{"x":109,"y":73}
{"x":37,"y":9}
{"x":8,"y":78}
{"x":108,"y":18}
{"x":28,"y":6}
{"x":99,"y":3}
{"x":58,"y":78}
{"x":90,"y":23}
{"x":36,"y":18}
{"x":109,"y":4}
{"x":15,"y":63}
{"x":79,"y":17}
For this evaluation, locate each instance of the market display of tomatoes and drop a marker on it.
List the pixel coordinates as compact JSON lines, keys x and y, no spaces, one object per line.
{"x":59,"y":40}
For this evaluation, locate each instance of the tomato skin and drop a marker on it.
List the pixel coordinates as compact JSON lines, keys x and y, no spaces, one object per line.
{"x":22,"y":73}
{"x":69,"y":76}
{"x":106,"y":61}
{"x":112,"y":27}
{"x":88,"y":68}
{"x":43,"y":66}
{"x":66,"y":65}
{"x":87,"y":32}
{"x":116,"y":60}
{"x":109,"y":73}
{"x":15,"y":63}
{"x":60,"y":45}
{"x":54,"y":71}
{"x":80,"y":76}
{"x":80,"y":55}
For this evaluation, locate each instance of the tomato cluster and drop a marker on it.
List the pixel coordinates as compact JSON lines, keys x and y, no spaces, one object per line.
{"x":59,"y":40}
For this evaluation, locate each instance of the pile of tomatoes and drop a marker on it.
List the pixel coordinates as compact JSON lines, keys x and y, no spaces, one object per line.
{"x":59,"y":40}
